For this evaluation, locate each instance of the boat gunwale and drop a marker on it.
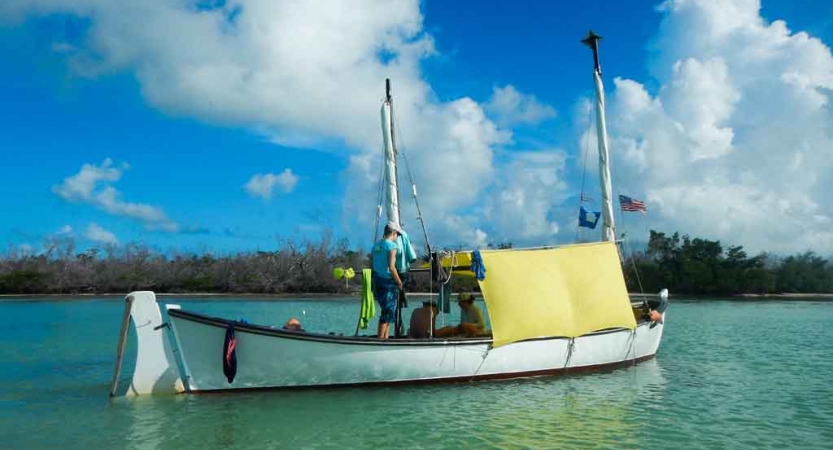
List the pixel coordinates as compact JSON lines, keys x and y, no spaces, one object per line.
{"x":360,"y":340}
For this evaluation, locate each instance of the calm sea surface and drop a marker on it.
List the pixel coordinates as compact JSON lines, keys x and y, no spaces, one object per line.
{"x":728,"y":375}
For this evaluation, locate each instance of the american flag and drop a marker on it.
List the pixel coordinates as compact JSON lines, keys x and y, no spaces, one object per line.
{"x":632,"y":204}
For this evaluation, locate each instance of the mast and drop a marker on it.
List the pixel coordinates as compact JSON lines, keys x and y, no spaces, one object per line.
{"x":391,"y":175}
{"x":608,"y":226}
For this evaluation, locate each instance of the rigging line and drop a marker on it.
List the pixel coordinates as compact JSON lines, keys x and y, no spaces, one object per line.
{"x":447,"y":292}
{"x":395,"y":123}
{"x":381,"y":186}
{"x":411,"y":180}
{"x":431,"y":325}
{"x":630,"y":343}
{"x":379,"y":193}
{"x":625,"y":247}
{"x":633,"y":262}
{"x":569,"y":353}
{"x":584,"y":166}
{"x":638,"y":278}
{"x":633,"y":345}
{"x":453,"y":261}
{"x":483,"y":357}
{"x":614,"y":179}
{"x":621,"y":217}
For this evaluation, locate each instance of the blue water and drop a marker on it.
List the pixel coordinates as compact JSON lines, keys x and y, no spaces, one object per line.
{"x":729,"y":375}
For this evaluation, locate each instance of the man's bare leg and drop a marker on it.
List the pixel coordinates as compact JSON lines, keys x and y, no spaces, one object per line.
{"x":382,"y":332}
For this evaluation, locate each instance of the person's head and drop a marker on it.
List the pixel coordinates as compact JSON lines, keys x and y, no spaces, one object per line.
{"x":465,"y":299}
{"x":432,"y":305}
{"x":293,"y":324}
{"x":392,"y":230}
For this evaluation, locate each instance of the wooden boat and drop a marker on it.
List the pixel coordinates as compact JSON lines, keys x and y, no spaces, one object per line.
{"x":552,"y":310}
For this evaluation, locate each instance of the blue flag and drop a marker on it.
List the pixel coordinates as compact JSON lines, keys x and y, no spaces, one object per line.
{"x":588,"y":219}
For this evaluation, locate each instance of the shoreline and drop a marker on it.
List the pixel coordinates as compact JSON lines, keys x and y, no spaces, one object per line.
{"x":160,"y":295}
{"x":354,"y":295}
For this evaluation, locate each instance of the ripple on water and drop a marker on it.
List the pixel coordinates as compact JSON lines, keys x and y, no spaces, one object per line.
{"x":729,"y":375}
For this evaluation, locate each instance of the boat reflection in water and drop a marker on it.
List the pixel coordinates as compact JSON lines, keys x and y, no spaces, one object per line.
{"x":602,"y":410}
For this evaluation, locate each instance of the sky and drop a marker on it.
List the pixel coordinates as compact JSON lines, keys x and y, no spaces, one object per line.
{"x":231,"y":126}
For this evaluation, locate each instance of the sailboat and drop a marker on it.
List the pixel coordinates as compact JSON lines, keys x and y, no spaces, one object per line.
{"x":552,"y":310}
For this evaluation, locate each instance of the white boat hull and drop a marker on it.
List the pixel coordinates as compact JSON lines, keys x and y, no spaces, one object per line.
{"x":269,"y":358}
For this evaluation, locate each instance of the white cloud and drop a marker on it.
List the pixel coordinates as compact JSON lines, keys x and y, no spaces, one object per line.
{"x":98,"y":234}
{"x":522,"y":201}
{"x":264,"y":184}
{"x":465,"y":229}
{"x":79,"y":187}
{"x":305,"y":74}
{"x":92,"y":185}
{"x":65,"y":230}
{"x":450,"y":149}
{"x":740,"y":122}
{"x":737,"y":142}
{"x":510,"y":107}
{"x":296,"y":71}
{"x":709,"y":83}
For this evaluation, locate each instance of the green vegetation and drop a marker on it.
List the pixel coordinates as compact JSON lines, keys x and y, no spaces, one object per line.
{"x":682,"y":264}
{"x":703,"y":267}
{"x":292,"y":268}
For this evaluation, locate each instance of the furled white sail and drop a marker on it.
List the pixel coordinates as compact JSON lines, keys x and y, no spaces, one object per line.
{"x":391,"y":191}
{"x":608,"y":225}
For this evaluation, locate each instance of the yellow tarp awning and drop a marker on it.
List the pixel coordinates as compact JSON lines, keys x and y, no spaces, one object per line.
{"x":566,"y":291}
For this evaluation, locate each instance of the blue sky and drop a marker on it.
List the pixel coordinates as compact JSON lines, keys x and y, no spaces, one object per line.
{"x":71,"y":97}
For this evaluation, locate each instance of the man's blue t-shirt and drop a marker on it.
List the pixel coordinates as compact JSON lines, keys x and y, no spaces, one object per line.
{"x":381,"y":255}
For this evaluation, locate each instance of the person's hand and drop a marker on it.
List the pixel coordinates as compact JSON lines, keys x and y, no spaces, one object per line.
{"x":401,"y":286}
{"x":655,"y":315}
{"x":468,"y":329}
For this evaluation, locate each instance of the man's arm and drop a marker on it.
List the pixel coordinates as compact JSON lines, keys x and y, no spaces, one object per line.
{"x":392,"y":267}
{"x":481,"y":321}
{"x":657,"y":308}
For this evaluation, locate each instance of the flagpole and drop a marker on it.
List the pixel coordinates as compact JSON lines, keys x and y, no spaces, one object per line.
{"x":578,"y":224}
{"x":622,"y":220}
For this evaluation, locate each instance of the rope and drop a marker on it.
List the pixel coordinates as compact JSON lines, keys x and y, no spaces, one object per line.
{"x":632,"y":345}
{"x":411,"y":180}
{"x":453,"y":258}
{"x":431,"y":325}
{"x":452,"y":255}
{"x":625,"y":248}
{"x":482,"y":361}
{"x":379,"y":194}
{"x":569,"y":354}
{"x":584,"y":166}
{"x":398,"y":129}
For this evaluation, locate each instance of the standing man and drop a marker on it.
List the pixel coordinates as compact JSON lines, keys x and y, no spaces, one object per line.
{"x":386,"y":281}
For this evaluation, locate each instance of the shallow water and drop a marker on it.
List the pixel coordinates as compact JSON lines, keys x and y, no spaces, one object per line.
{"x":728,"y":375}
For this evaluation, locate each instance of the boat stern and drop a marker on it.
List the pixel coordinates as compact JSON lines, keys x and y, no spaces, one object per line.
{"x":156,"y":369}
